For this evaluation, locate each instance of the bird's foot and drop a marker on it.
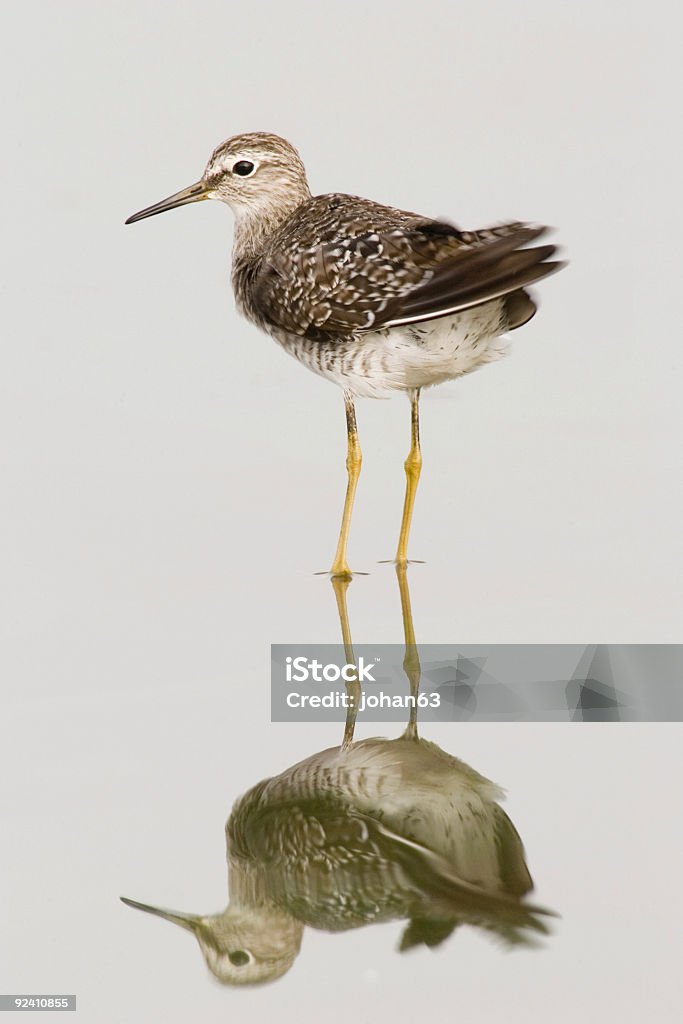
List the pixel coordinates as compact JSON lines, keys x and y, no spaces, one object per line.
{"x":342,"y":573}
{"x":401,"y":563}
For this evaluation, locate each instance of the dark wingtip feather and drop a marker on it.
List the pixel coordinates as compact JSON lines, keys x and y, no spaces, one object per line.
{"x":490,"y":270}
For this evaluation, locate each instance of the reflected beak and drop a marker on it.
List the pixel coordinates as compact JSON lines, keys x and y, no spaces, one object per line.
{"x":188,"y":921}
{"x":192,"y":194}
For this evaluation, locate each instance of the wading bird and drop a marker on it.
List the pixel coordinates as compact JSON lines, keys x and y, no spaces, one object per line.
{"x":373,"y":298}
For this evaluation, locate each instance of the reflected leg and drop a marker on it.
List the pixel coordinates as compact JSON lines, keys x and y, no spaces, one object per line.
{"x":353,"y":688}
{"x":411,"y":660}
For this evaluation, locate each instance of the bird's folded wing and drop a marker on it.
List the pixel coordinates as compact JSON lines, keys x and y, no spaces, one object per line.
{"x":401,"y":276}
{"x":307,"y":830}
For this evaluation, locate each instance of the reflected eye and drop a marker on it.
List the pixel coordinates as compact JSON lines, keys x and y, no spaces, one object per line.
{"x":239,"y":957}
{"x":244,"y":168}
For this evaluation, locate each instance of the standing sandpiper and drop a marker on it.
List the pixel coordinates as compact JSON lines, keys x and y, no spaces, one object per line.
{"x":373,"y":298}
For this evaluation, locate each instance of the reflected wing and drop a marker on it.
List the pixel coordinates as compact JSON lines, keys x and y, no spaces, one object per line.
{"x":318,"y":862}
{"x":376,"y":280}
{"x":335,"y":868}
{"x":300,"y":832}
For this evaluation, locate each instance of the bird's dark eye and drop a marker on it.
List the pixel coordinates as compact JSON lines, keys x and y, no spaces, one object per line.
{"x":243,"y":167}
{"x":239,"y":957}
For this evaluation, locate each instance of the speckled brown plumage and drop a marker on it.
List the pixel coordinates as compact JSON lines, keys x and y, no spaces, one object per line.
{"x":341,"y":265}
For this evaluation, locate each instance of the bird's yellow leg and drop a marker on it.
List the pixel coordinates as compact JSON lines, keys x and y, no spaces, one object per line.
{"x":340,"y":585}
{"x":340,"y":568}
{"x":413,"y":466}
{"x":411,"y":660}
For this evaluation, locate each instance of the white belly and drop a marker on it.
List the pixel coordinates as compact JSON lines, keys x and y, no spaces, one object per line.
{"x":404,"y":358}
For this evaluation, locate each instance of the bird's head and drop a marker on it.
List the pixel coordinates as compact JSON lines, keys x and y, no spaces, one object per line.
{"x":241,"y":947}
{"x":256,"y":174}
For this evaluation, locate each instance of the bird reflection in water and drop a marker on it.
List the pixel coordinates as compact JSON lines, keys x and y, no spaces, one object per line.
{"x":371,"y":831}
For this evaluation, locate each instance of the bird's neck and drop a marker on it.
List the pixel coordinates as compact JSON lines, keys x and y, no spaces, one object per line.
{"x":251,"y":884}
{"x":255,"y":225}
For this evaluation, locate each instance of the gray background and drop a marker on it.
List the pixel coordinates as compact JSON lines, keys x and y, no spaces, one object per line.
{"x":171,"y":480}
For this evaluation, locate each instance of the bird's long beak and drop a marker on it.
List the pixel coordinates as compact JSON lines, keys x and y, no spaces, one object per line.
{"x":188,"y":921}
{"x":192,"y":194}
